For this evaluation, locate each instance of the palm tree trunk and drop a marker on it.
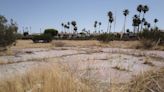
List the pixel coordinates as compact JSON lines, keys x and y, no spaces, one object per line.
{"x":108,"y":28}
{"x":139,"y":24}
{"x":99,"y":28}
{"x":142,"y":22}
{"x":124,"y":24}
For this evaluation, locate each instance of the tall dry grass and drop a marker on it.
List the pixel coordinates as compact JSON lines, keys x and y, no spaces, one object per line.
{"x":152,"y":81}
{"x":43,"y":79}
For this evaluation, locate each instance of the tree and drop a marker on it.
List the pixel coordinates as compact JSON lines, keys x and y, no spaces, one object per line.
{"x":111,"y":19}
{"x":74,"y":25}
{"x":68,"y":26}
{"x":145,"y":9}
{"x":62,"y":24}
{"x":52,"y":32}
{"x":139,"y":9}
{"x":95,"y":26}
{"x":99,"y":26}
{"x":7,"y":32}
{"x":148,"y":26}
{"x":145,"y":24}
{"x":136,"y":23}
{"x":155,"y":22}
{"x":125,"y":12}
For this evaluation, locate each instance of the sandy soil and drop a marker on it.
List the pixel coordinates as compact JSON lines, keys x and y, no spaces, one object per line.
{"x":103,"y":64}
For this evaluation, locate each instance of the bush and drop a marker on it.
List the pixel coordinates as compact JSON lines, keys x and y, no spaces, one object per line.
{"x":105,"y":37}
{"x":150,"y":38}
{"x":154,"y":35}
{"x":42,"y":38}
{"x":7,"y":32}
{"x":52,"y":32}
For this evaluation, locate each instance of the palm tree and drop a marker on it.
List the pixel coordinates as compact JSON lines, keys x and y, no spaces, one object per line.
{"x":65,"y":27}
{"x":155,"y":22}
{"x":145,"y":24}
{"x":68,"y":26}
{"x":75,"y":29}
{"x":136,"y":23}
{"x":95,"y":26}
{"x":74,"y":25}
{"x":148,"y":26}
{"x":62,"y":24}
{"x":145,"y":9}
{"x":110,"y":15}
{"x":99,"y":26}
{"x":125,"y":12}
{"x":139,"y":9}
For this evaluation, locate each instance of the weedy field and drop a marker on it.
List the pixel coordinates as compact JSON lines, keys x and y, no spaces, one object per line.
{"x":81,"y":66}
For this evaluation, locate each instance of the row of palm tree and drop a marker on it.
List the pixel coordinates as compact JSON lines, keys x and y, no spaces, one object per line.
{"x":97,"y":24}
{"x":66,"y":27}
{"x":110,"y":20}
{"x":137,"y":21}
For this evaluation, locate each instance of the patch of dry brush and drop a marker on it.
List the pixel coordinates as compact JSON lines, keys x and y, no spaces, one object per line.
{"x":45,"y":79}
{"x":152,"y":81}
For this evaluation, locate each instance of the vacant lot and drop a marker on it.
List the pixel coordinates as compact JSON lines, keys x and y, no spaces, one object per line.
{"x":77,"y":66}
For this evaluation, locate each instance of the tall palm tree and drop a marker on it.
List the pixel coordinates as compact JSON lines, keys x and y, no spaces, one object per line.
{"x":148,"y":26}
{"x":155,"y":22}
{"x":145,"y":9}
{"x":111,"y":19}
{"x":68,"y":26}
{"x":74,"y":25}
{"x":62,"y":24}
{"x":99,"y":26}
{"x":65,"y":27}
{"x":125,"y":12}
{"x":136,"y":23}
{"x":139,"y":9}
{"x":145,"y":24}
{"x":95,"y":26}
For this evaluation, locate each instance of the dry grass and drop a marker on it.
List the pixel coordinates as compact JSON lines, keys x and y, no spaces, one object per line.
{"x":120,"y":68}
{"x":58,"y":44}
{"x":21,"y":44}
{"x":43,"y":79}
{"x":148,"y":61}
{"x":151,"y":81}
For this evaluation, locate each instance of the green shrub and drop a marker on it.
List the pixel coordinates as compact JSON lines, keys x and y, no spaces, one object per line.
{"x":7,"y":32}
{"x":105,"y":37}
{"x":52,"y":32}
{"x":152,"y":36}
{"x":43,"y":37}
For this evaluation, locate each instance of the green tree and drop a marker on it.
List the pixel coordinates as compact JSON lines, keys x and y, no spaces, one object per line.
{"x":95,"y":26}
{"x":155,"y":22}
{"x":99,"y":26}
{"x":52,"y":32}
{"x":125,"y":13}
{"x":145,"y":9}
{"x":136,"y":23}
{"x":139,"y":9}
{"x":74,"y":26}
{"x":7,"y":32}
{"x":111,"y":19}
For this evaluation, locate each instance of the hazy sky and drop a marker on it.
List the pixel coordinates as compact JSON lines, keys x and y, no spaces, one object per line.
{"x":51,"y":13}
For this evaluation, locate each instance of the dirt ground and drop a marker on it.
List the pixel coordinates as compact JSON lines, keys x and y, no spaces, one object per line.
{"x":102,"y":63}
